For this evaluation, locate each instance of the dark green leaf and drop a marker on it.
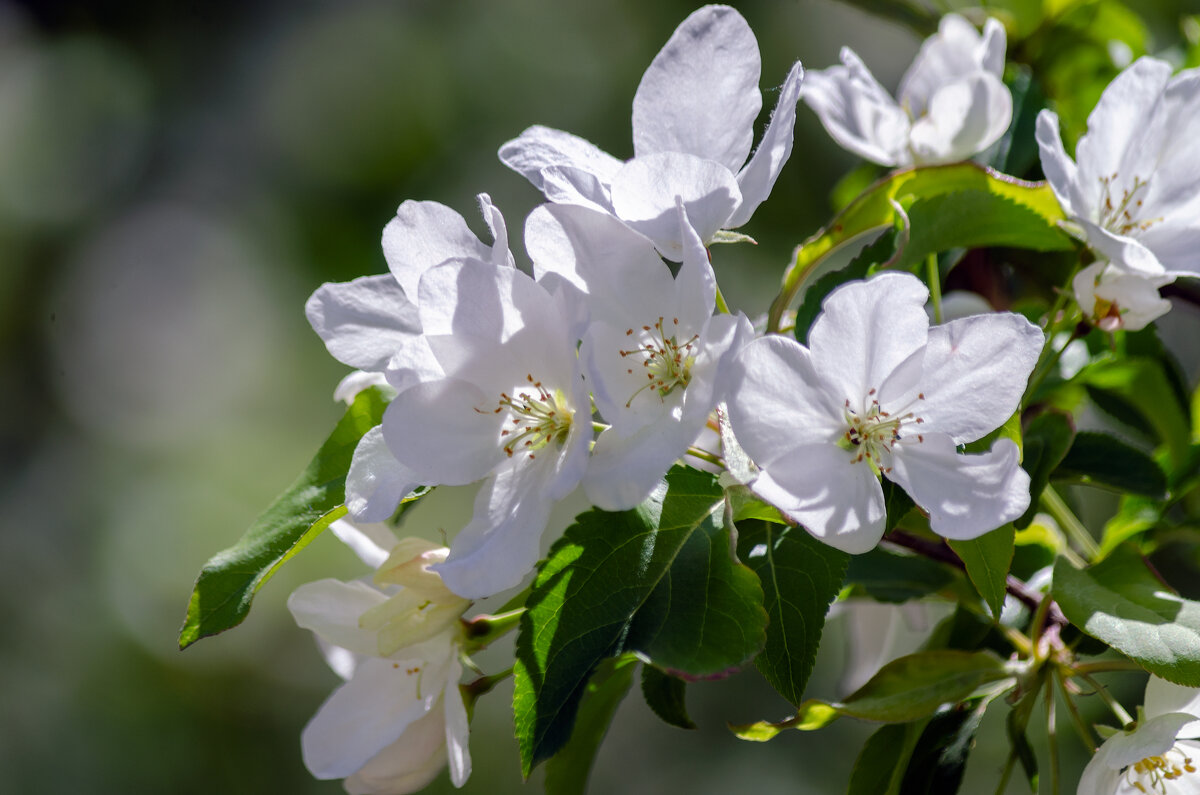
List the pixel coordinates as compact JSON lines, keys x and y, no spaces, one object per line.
{"x":917,"y":685}
{"x":1015,"y":725}
{"x":800,"y":577}
{"x":879,"y":768}
{"x":1121,"y":602}
{"x":891,"y":577}
{"x":940,"y":757}
{"x":987,"y":559}
{"x":1141,"y":386}
{"x":666,"y":697}
{"x":659,"y":580}
{"x":230,"y":579}
{"x":1102,"y":460}
{"x":567,"y":773}
{"x":1016,"y":152}
{"x":1047,"y":440}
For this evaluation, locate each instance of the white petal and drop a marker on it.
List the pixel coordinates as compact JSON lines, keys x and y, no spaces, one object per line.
{"x":777,"y":400}
{"x":964,"y":118}
{"x":458,"y":730}
{"x":759,"y":175}
{"x":955,"y":51}
{"x":1163,"y":697}
{"x":371,"y":541}
{"x":645,"y":189}
{"x":359,"y":381}
{"x":965,"y":495}
{"x":1155,"y":736}
{"x":857,"y":112}
{"x":376,"y":482}
{"x":1174,"y":164}
{"x":1060,"y":170}
{"x":424,"y":234}
{"x":570,"y":185}
{"x":1099,"y":779}
{"x":838,"y":501}
{"x":473,"y":297}
{"x":1127,"y":252}
{"x":331,"y":609}
{"x":975,"y":371}
{"x":540,"y":147}
{"x":501,"y":256}
{"x":409,"y":764}
{"x":700,"y":94}
{"x":365,"y":715}
{"x":865,"y":331}
{"x":363,"y":322}
{"x":445,"y":431}
{"x":622,"y":471}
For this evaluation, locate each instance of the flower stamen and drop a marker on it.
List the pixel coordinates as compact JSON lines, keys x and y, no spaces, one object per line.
{"x":667,"y":363}
{"x":1152,"y":773}
{"x":538,"y":418}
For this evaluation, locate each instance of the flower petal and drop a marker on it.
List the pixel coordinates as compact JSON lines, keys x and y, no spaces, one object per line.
{"x":700,"y":94}
{"x":759,"y":175}
{"x":376,"y":482}
{"x":363,"y":322}
{"x":331,"y":609}
{"x":777,"y":401}
{"x":1153,"y":737}
{"x":819,"y":486}
{"x":1126,"y":252}
{"x":538,"y":148}
{"x":965,"y":117}
{"x":975,"y":371}
{"x":622,"y":471}
{"x":865,"y":331}
{"x":1060,"y":170}
{"x":955,"y":51}
{"x":965,"y":495}
{"x":857,"y":112}
{"x":372,"y":542}
{"x":424,"y":234}
{"x":501,"y":256}
{"x":644,"y":196}
{"x":570,"y":185}
{"x":458,"y":729}
{"x":444,"y":431}
{"x":409,"y":764}
{"x":1163,"y":697}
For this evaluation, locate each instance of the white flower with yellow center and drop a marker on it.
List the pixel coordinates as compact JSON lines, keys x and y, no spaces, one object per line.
{"x":952,"y":102}
{"x":1160,"y":757}
{"x":879,"y":392}
{"x":1131,"y":191}
{"x":693,"y":129}
{"x":399,"y":718}
{"x":508,"y":408}
{"x":1113,"y":298}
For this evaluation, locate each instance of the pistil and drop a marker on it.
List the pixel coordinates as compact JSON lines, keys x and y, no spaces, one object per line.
{"x":667,"y":363}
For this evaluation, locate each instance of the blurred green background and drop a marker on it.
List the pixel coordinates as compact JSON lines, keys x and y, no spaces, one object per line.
{"x":175,"y":179}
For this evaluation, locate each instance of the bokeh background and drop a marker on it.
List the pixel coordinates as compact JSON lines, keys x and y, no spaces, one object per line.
{"x":175,"y":179}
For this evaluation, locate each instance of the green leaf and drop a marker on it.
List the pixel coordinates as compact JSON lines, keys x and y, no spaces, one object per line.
{"x":1102,"y":460}
{"x":1015,"y":726}
{"x":1002,"y":212}
{"x":1121,"y":602}
{"x":1141,"y":386}
{"x":810,"y":716}
{"x":1047,"y":440}
{"x":987,"y":559}
{"x":229,"y":580}
{"x":879,"y":768}
{"x":892,"y":577}
{"x":939,"y":759}
{"x":800,"y":577}
{"x":666,"y":697}
{"x":863,"y":265}
{"x":1134,"y":516}
{"x":567,"y":773}
{"x":917,"y":685}
{"x":659,"y":580}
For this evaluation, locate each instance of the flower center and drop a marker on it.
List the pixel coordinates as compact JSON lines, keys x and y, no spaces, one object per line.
{"x":666,"y":362}
{"x":871,"y":434}
{"x":1120,"y":215}
{"x":536,"y":418}
{"x":1152,"y":773}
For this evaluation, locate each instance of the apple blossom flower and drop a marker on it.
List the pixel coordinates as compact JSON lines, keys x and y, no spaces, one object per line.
{"x":653,"y":355}
{"x":952,"y":102}
{"x":693,"y":129}
{"x":372,"y":324}
{"x":879,"y":392}
{"x":1159,"y":756}
{"x":399,"y":717}
{"x":507,"y":407}
{"x":1130,"y":193}
{"x":1113,"y":298}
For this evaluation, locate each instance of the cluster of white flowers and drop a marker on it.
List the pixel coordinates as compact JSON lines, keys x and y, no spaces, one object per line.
{"x":607,"y":363}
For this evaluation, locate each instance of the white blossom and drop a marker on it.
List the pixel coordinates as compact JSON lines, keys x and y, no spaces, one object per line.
{"x":1131,"y":191}
{"x":952,"y":103}
{"x":507,"y":407}
{"x":1113,"y":298}
{"x":1159,"y":756}
{"x":879,"y":392}
{"x":399,"y":717}
{"x":693,"y":129}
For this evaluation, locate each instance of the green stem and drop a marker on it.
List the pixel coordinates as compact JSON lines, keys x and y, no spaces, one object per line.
{"x":704,"y":455}
{"x":1052,"y":736}
{"x":482,"y":686}
{"x":1070,"y":523}
{"x":1007,"y":774}
{"x":1106,"y":666}
{"x":1115,"y":706}
{"x":482,"y":630}
{"x":1077,"y":720}
{"x":935,"y":286}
